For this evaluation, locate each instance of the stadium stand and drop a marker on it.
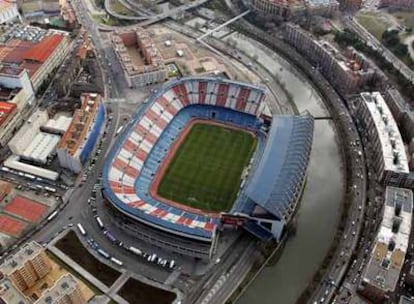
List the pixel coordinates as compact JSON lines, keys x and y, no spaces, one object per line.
{"x":139,"y":150}
{"x":274,"y":189}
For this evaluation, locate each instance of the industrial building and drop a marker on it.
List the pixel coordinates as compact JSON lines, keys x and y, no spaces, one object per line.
{"x":289,"y":9}
{"x":34,"y":49}
{"x":65,"y":291}
{"x":79,"y":140}
{"x":383,"y":138}
{"x":140,"y":59}
{"x":347,"y":73}
{"x":31,"y":144}
{"x":27,"y":266}
{"x":382,"y":272}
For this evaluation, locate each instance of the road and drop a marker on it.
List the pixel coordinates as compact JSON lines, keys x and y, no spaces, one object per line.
{"x":153,"y":18}
{"x":373,"y":42}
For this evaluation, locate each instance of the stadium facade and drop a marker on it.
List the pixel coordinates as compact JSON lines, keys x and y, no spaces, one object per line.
{"x":272,"y":182}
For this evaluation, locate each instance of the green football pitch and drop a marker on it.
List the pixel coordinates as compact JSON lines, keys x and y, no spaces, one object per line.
{"x":206,"y":168}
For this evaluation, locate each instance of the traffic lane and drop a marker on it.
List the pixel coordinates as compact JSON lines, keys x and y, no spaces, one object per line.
{"x":80,"y":194}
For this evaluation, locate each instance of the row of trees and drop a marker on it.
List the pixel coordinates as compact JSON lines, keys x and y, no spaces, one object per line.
{"x":347,"y":38}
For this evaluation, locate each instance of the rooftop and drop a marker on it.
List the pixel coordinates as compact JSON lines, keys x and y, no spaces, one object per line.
{"x":79,"y":127}
{"x":41,"y":147}
{"x":321,"y":2}
{"x":131,"y":44}
{"x":6,"y":109}
{"x":395,"y":158}
{"x":17,"y":260}
{"x":28,"y":47}
{"x":388,"y":254}
{"x":10,"y":294}
{"x":65,"y":285}
{"x":41,"y":51}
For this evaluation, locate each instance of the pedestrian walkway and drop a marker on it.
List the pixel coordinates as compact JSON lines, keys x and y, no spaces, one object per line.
{"x":172,"y":277}
{"x":86,"y":275}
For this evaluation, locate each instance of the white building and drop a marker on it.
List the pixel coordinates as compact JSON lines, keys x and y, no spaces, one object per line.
{"x":384,"y":138}
{"x":8,"y":11}
{"x":387,"y":257}
{"x":28,"y":132}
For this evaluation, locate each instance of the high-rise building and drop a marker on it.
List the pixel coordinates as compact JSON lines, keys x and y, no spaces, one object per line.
{"x":383,"y":138}
{"x":26,"y":266}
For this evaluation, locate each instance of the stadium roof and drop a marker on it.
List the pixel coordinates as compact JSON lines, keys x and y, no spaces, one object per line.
{"x":283,"y":165}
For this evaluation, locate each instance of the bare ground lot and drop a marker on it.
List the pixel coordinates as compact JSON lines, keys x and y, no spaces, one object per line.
{"x":73,"y":248}
{"x":139,"y":293}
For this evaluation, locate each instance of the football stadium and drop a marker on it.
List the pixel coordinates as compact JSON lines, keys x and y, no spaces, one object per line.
{"x":200,"y":155}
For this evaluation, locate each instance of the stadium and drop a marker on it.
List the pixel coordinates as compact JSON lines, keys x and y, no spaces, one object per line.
{"x":200,"y":155}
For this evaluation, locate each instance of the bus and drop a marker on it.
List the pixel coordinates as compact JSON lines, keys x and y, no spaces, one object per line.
{"x":135,"y":250}
{"x":110,"y":236}
{"x":81,"y":229}
{"x":116,"y":261}
{"x":119,"y":130}
{"x":103,"y":253}
{"x":29,"y":176}
{"x":172,"y":264}
{"x":50,"y":217}
{"x":50,"y":189}
{"x":99,"y":221}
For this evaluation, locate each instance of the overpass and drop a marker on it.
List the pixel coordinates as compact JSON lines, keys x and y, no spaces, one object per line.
{"x":210,"y":32}
{"x":148,"y":20}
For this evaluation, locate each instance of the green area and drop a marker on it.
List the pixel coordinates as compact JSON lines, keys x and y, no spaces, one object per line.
{"x":405,"y":18}
{"x":347,"y":38}
{"x":206,"y":169}
{"x":119,"y":8}
{"x":109,"y":20}
{"x":373,"y":23}
{"x":391,"y":40}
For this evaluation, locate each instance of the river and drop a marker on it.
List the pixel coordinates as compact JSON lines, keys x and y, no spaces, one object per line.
{"x":319,"y":212}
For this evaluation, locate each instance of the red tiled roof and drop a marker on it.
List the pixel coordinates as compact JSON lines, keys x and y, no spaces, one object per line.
{"x":11,"y":226}
{"x":14,"y":51}
{"x":42,"y":50}
{"x":25,"y":208}
{"x":6,"y":109}
{"x":31,"y":67}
